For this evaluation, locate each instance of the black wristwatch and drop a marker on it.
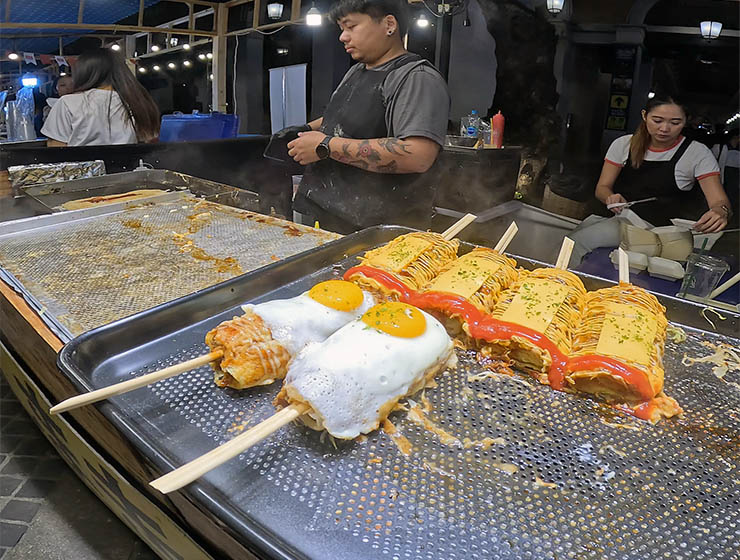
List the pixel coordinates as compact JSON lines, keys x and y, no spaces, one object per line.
{"x":322,"y":150}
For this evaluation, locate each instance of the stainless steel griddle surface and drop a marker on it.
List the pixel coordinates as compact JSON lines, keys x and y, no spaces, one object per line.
{"x":504,"y":468}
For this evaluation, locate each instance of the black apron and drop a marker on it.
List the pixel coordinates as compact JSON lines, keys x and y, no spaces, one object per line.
{"x":658,"y":178}
{"x":346,"y":198}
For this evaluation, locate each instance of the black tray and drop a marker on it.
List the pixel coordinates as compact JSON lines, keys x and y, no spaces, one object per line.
{"x":588,"y":483}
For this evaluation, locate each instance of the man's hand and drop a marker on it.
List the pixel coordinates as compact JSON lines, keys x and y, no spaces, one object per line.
{"x":712,"y":221}
{"x":303,"y":148}
{"x":614,"y":199}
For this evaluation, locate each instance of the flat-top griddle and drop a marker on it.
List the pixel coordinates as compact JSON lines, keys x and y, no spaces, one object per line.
{"x":503,"y":468}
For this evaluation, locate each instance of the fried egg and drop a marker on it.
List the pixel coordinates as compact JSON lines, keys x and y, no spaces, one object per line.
{"x":313,"y":315}
{"x":355,"y":377}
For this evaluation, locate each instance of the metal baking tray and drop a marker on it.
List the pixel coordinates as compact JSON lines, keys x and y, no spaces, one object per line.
{"x":84,"y":268}
{"x":54,"y":195}
{"x":563,"y":476}
{"x":541,"y":232}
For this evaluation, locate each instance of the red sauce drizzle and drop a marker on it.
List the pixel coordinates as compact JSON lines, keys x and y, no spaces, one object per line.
{"x":643,"y":412}
{"x":633,"y":376}
{"x":484,"y":327}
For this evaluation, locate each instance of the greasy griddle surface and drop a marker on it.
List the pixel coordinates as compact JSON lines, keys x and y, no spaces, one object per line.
{"x":93,"y":271}
{"x":507,"y":468}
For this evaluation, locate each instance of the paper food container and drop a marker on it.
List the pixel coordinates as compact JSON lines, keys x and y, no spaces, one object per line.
{"x":666,"y":269}
{"x":638,"y":240}
{"x":676,"y":243}
{"x":637,"y":261}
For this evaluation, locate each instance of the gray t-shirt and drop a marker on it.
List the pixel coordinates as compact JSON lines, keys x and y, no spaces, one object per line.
{"x":416,"y":99}
{"x":91,"y":118}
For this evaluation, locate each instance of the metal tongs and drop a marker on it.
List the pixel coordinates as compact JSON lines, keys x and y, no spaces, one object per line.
{"x":624,"y":205}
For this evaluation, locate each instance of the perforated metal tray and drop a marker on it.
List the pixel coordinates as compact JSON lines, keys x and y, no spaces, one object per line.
{"x":89,"y":267}
{"x":560,"y":477}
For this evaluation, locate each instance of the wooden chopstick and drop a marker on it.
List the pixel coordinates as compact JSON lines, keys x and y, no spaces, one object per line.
{"x":196,"y":468}
{"x":131,"y":384}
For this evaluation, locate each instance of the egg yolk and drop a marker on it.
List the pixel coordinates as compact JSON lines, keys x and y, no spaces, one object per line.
{"x":396,"y":319}
{"x":337,"y":294}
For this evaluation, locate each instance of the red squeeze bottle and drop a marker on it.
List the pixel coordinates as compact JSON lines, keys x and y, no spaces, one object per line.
{"x":497,"y":130}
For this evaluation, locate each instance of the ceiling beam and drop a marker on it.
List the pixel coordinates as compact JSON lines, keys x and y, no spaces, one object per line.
{"x":695,"y":31}
{"x":107,"y":27}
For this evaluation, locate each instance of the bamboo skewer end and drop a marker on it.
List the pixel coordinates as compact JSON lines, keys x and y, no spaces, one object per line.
{"x":565,"y":251}
{"x":187,"y":473}
{"x":506,"y":238}
{"x":135,"y":383}
{"x":458,"y":226}
{"x":624,"y":266}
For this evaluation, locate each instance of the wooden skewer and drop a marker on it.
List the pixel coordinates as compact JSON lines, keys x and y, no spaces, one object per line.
{"x":506,"y":238}
{"x":131,"y":384}
{"x":726,"y":286}
{"x":565,"y":250}
{"x":196,"y":468}
{"x":624,"y":266}
{"x":458,"y":226}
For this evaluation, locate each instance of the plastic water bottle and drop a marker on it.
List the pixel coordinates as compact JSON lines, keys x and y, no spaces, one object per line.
{"x":470,"y":125}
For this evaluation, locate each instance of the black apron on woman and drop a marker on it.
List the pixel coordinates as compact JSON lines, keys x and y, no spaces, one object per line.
{"x":658,"y":178}
{"x":345,"y":198}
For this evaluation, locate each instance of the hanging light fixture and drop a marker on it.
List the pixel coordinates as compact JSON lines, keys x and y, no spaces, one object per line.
{"x":274,"y":10}
{"x":171,"y":65}
{"x":115,"y":47}
{"x":710,"y":29}
{"x":313,"y":17}
{"x":186,"y":46}
{"x":155,"y":48}
{"x":555,"y":6}
{"x":142,"y":70}
{"x":186,"y":63}
{"x":422,"y":21}
{"x":13,"y":56}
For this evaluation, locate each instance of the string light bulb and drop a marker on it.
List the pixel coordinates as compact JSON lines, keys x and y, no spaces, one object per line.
{"x":422,"y":21}
{"x":142,"y":70}
{"x":115,"y":47}
{"x":313,"y":17}
{"x":156,"y":68}
{"x":201,"y":56}
{"x":186,"y":46}
{"x":155,"y":48}
{"x":171,"y":65}
{"x":13,"y":56}
{"x":187,"y":63}
{"x":209,"y":56}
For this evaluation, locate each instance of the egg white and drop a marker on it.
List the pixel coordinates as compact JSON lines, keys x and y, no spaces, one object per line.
{"x":353,"y":373}
{"x":299,"y":321}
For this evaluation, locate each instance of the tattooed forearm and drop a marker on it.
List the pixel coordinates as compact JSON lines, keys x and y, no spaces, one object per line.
{"x":394,"y":146}
{"x":385,"y":155}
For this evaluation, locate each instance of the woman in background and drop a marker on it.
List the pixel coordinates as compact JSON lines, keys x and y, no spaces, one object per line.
{"x":658,"y":161}
{"x":108,"y":106}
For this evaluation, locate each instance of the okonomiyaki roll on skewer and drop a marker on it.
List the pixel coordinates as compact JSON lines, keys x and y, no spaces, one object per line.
{"x":478,"y":277}
{"x":258,"y":345}
{"x":618,"y":348}
{"x":255,"y":348}
{"x":535,"y":319}
{"x":346,"y":385}
{"x":406,"y":263}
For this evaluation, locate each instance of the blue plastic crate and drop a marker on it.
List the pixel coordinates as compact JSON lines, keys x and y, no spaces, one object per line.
{"x":180,"y":127}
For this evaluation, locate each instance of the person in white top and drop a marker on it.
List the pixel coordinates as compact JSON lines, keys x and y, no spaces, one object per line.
{"x":657,"y":161}
{"x":108,"y":106}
